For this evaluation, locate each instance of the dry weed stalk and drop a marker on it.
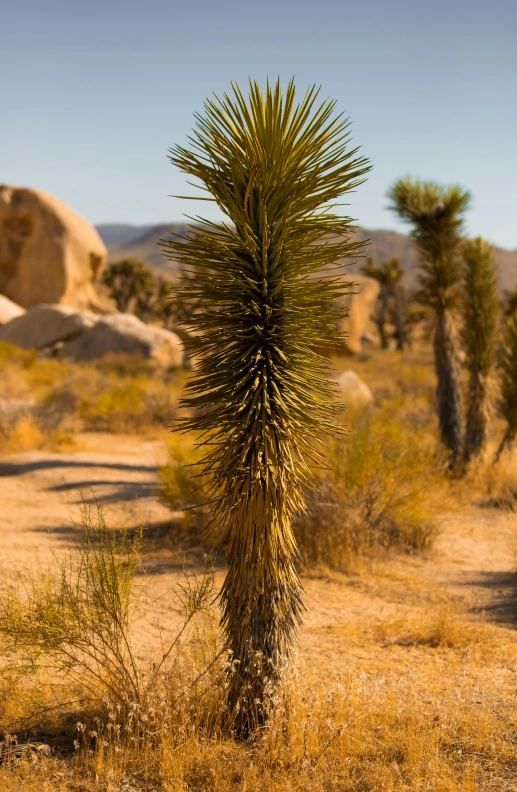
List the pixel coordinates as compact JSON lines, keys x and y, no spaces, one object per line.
{"x":77,"y":618}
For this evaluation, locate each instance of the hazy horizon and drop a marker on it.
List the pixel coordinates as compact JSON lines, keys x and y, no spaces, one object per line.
{"x":96,"y":94}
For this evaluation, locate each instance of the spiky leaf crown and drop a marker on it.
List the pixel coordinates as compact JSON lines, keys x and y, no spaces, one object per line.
{"x":266,"y":290}
{"x":436,"y":214}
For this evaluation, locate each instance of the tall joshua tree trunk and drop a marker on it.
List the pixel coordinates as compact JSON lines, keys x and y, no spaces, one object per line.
{"x":448,"y":388}
{"x":480,"y":316}
{"x":436,"y":216}
{"x":398,"y":316}
{"x":508,"y":404}
{"x":266,"y":297}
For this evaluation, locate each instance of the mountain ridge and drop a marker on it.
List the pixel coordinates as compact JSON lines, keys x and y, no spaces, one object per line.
{"x":143,"y":242}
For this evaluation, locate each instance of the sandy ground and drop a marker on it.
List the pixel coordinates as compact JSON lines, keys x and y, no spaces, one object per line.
{"x":352,"y":625}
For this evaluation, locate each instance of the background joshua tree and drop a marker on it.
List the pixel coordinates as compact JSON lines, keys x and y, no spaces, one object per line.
{"x":260,"y":393}
{"x":436,"y":216}
{"x":509,"y":384}
{"x":391,"y":299}
{"x":509,"y":302}
{"x":130,"y":282}
{"x":480,"y":315}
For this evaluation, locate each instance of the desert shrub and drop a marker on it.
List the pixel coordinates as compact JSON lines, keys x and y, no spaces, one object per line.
{"x":441,"y":624}
{"x":181,"y":486}
{"x":126,"y":407}
{"x":118,"y":393}
{"x":76,"y":618}
{"x":375,"y":497}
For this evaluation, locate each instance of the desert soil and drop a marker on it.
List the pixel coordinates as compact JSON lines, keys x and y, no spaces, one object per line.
{"x":357,"y":625}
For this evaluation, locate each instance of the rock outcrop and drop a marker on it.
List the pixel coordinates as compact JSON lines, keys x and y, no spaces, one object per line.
{"x":46,"y":325}
{"x":48,"y":253}
{"x":352,"y":389}
{"x":127,"y":335}
{"x":62,"y":331}
{"x":360,"y":306}
{"x":9,"y":310}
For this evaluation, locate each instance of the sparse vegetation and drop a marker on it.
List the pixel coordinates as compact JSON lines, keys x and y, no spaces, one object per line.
{"x":397,"y":686}
{"x":377,"y":497}
{"x":44,"y":402}
{"x":107,"y":716}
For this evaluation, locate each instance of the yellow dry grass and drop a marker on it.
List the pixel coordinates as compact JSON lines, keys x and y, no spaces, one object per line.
{"x":402,"y":682}
{"x":51,"y":400}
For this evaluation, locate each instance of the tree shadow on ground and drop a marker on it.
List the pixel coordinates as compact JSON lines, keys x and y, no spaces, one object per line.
{"x":123,"y":490}
{"x":502,"y":608}
{"x":20,"y":468}
{"x":167,"y":545}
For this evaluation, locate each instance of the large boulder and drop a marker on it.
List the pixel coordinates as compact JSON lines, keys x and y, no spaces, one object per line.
{"x":361,"y":306}
{"x":125,"y":334}
{"x":352,"y":389}
{"x":48,"y":253}
{"x":47,"y":325}
{"x":9,"y":310}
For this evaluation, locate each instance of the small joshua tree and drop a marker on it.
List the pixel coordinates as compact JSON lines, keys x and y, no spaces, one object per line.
{"x":130,"y":283}
{"x":480,"y":316}
{"x":436,"y":216}
{"x":508,"y":403}
{"x":260,"y":393}
{"x":389,"y":303}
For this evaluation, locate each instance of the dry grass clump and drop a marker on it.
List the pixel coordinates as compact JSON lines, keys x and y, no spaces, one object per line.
{"x":43,"y":402}
{"x":491,"y":483}
{"x":367,"y":734}
{"x":377,"y":497}
{"x":441,"y":625}
{"x":24,"y":433}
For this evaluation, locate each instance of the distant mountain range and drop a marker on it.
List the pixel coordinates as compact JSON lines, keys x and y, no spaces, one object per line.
{"x":143,"y":243}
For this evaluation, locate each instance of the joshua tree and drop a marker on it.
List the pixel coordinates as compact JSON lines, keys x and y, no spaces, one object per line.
{"x":130,"y":283}
{"x":390,"y":301}
{"x":436,"y":216}
{"x":509,"y":384}
{"x":260,"y":393}
{"x":480,"y":315}
{"x":164,"y":307}
{"x":509,"y":301}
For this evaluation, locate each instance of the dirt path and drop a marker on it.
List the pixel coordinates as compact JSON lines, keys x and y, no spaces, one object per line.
{"x":473,"y":561}
{"x":40,"y":491}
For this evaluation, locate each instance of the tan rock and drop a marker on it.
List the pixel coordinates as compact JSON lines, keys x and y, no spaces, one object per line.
{"x":127,"y":335}
{"x":352,"y":389}
{"x":46,"y":325}
{"x":48,"y":253}
{"x":9,"y":310}
{"x":361,"y":306}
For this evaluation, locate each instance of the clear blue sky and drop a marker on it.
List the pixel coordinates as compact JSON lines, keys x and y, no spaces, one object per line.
{"x":94,"y":93}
